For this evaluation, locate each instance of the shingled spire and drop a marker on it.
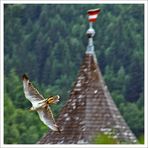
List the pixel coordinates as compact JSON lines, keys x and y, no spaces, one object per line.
{"x":90,"y":109}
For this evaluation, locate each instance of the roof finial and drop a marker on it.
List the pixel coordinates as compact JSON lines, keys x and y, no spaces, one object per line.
{"x":92,"y":16}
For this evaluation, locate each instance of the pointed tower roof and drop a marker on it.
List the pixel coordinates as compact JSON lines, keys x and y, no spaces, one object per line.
{"x":90,"y":109}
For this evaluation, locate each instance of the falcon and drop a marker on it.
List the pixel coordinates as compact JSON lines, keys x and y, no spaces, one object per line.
{"x":40,"y":104}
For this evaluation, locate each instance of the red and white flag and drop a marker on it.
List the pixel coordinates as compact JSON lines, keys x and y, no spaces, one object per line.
{"x":92,"y":14}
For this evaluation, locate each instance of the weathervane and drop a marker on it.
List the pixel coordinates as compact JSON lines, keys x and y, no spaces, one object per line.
{"x":92,"y":16}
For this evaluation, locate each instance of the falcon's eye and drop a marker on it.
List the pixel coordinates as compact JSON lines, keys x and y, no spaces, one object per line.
{"x":29,"y":83}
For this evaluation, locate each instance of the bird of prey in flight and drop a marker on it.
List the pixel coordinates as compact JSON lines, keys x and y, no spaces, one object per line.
{"x":40,"y":104}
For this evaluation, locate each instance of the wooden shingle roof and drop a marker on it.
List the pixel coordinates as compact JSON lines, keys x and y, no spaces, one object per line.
{"x":89,"y":110}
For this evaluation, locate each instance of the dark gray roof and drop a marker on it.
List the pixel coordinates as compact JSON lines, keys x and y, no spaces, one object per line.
{"x":89,"y":110}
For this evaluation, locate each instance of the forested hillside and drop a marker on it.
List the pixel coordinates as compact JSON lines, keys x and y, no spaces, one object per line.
{"x":48,"y":42}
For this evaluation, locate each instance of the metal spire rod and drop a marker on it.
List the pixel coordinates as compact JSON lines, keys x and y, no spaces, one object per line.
{"x":90,"y":34}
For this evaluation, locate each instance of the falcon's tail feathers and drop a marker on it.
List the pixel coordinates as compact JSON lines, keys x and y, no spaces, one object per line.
{"x":53,"y":100}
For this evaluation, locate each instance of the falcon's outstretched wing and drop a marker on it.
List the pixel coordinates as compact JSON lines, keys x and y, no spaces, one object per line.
{"x":31,"y":93}
{"x":47,"y":118}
